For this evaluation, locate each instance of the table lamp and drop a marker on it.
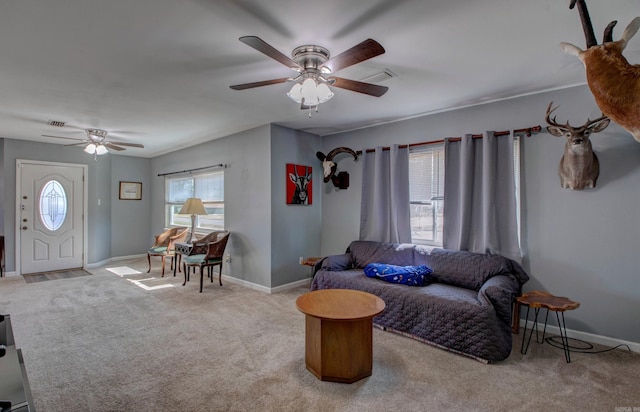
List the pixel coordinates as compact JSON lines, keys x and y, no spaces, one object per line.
{"x":193,"y":206}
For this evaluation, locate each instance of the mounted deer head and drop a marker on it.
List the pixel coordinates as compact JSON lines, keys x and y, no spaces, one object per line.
{"x":579,"y":167}
{"x":614,"y":82}
{"x":340,"y":181}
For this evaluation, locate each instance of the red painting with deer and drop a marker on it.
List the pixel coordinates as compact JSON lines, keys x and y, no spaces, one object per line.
{"x":299,"y":185}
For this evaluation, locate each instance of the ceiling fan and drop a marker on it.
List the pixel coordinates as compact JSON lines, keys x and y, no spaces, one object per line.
{"x":96,"y":142}
{"x":315,"y":66}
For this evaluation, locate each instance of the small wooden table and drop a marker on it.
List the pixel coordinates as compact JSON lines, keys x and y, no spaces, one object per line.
{"x":339,"y":333}
{"x":311,"y":261}
{"x":543,"y":300}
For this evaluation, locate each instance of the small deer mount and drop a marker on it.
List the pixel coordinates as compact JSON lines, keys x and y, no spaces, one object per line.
{"x":579,"y":167}
{"x":341,"y":180}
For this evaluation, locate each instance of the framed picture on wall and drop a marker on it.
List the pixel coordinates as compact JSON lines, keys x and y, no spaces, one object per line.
{"x":130,"y":191}
{"x":299,"y":185}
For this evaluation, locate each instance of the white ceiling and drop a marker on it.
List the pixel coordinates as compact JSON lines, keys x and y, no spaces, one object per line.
{"x":157,"y":72}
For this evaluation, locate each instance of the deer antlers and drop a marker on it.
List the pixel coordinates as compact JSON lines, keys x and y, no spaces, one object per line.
{"x":552,"y":122}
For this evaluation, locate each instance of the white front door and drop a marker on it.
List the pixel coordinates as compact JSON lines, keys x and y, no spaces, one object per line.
{"x":50,"y":211}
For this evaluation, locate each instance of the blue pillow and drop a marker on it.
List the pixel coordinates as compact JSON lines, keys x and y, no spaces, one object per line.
{"x":406,"y":275}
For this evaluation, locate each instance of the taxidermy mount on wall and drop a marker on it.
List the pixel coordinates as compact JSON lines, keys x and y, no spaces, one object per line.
{"x":341,"y":180}
{"x":579,"y":167}
{"x":614,"y":82}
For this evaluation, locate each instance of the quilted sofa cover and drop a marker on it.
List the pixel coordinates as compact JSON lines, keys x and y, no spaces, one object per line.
{"x":466,"y":308}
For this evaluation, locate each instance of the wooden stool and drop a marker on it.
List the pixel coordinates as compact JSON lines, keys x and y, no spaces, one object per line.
{"x":544,"y":300}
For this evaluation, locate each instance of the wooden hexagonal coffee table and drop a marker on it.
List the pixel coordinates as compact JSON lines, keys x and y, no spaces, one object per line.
{"x":339,"y":333}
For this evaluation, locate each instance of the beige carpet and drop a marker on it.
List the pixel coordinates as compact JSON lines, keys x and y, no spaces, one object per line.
{"x":138,"y":342}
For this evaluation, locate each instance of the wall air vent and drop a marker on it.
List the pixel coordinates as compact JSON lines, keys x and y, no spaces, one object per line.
{"x":56,"y":123}
{"x":386,"y":74}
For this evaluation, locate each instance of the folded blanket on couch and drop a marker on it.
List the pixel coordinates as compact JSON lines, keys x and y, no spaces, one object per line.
{"x":406,"y":275}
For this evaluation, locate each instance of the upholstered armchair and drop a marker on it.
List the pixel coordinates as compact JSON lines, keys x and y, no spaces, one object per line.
{"x":164,"y":245}
{"x":215,"y":243}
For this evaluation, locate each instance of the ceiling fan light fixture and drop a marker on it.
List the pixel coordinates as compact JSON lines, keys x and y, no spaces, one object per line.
{"x":310,"y":92}
{"x":101,"y":149}
{"x":90,"y":148}
{"x":295,"y":93}
{"x":324,"y":93}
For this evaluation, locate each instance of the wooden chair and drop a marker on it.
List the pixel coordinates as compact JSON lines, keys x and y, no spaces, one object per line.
{"x":164,"y":245}
{"x":216,"y":243}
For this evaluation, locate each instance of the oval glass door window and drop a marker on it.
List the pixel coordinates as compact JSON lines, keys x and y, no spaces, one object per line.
{"x":53,"y":205}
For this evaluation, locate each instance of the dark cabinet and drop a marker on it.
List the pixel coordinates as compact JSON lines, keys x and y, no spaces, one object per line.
{"x":15,"y":394}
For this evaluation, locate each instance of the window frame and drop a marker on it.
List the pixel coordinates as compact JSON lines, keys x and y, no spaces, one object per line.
{"x":436,"y":202}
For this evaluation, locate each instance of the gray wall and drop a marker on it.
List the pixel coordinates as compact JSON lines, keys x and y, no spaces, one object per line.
{"x":577,"y":244}
{"x":128,"y":213}
{"x":100,"y":218}
{"x":295,"y":228}
{"x":267,"y":236}
{"x":247,"y":196}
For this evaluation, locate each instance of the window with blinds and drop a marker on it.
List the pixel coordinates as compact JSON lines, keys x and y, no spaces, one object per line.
{"x":209,"y":187}
{"x":426,"y":193}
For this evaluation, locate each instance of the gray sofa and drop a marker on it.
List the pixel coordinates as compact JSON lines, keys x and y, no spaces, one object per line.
{"x":466,"y":307}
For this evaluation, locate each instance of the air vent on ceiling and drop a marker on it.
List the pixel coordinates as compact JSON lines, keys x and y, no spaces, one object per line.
{"x":56,"y":123}
{"x":386,"y":74}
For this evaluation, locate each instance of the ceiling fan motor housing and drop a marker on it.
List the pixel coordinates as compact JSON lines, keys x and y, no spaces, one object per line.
{"x":310,"y":57}
{"x":97,"y":135}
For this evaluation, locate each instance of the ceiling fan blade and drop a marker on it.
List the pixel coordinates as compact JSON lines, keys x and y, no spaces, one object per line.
{"x":360,"y":87}
{"x":265,"y":48}
{"x":114,"y":147}
{"x":60,"y":137}
{"x":76,"y":144}
{"x":258,"y":84}
{"x":125,"y":144}
{"x":358,"y":53}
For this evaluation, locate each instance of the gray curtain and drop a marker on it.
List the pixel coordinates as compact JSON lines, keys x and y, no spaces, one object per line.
{"x":479,"y":196}
{"x":384,"y":211}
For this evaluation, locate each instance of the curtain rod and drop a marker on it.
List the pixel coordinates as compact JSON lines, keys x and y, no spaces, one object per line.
{"x":527,"y":131}
{"x":192,"y":170}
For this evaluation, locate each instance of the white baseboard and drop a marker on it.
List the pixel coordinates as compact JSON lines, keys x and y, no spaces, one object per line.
{"x":586,"y":336}
{"x":277,"y":289}
{"x":113,"y":259}
{"x":244,"y":283}
{"x":292,"y":285}
{"x":9,"y":274}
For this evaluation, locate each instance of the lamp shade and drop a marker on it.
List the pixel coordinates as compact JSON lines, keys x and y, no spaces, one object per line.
{"x":101,"y":149}
{"x":310,"y":92}
{"x":193,"y":206}
{"x":324,"y":93}
{"x":90,"y":148}
{"x":295,"y":93}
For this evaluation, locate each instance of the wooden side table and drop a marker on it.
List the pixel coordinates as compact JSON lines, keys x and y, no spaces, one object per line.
{"x":544,"y":300}
{"x":339,"y":333}
{"x":311,"y":261}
